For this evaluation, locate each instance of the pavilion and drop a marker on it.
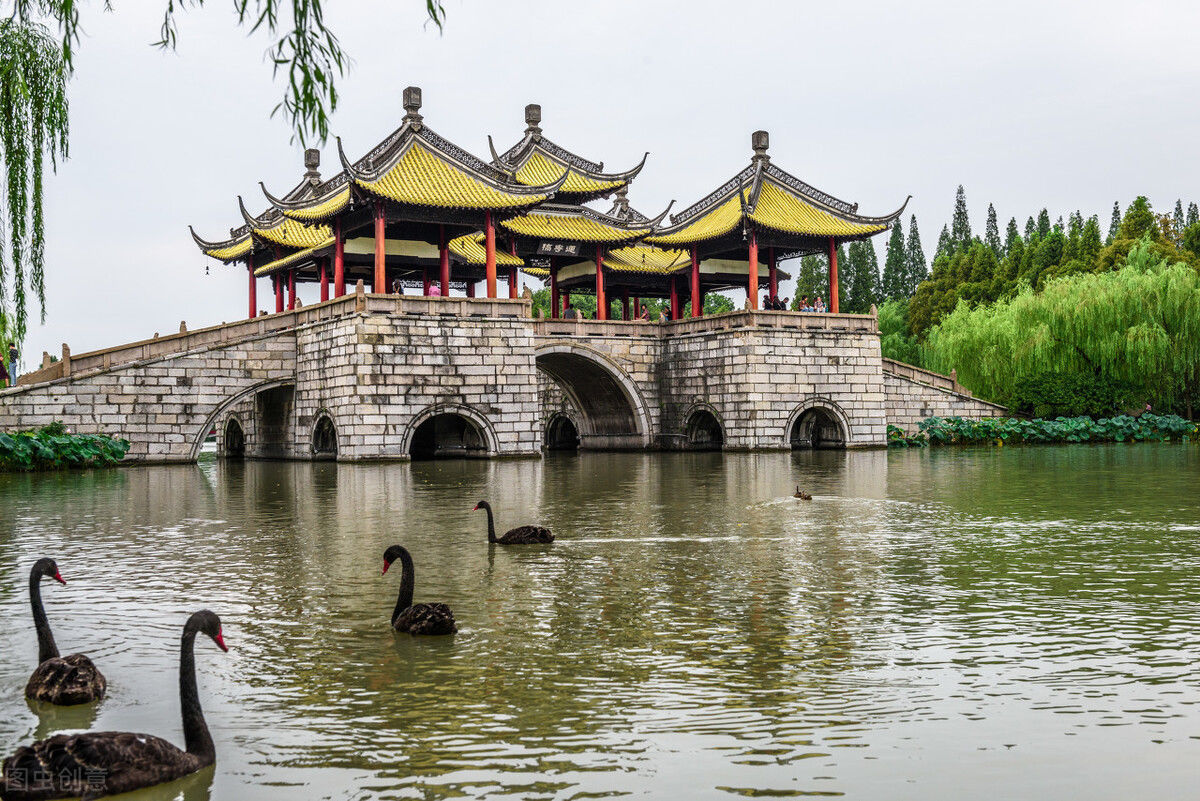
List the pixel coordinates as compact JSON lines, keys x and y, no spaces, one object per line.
{"x":419,"y":211}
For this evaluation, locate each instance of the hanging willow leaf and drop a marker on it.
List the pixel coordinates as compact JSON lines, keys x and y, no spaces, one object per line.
{"x":33,"y":125}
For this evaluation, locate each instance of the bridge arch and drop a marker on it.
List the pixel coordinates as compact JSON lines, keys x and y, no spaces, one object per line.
{"x":703,"y":429}
{"x":197,"y":437}
{"x":233,"y":439}
{"x":562,"y":432}
{"x":324,"y":437}
{"x":817,"y":423}
{"x":449,"y":429}
{"x":613,"y":412}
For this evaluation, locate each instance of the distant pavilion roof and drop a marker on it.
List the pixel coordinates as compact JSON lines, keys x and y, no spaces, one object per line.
{"x":785,"y":210}
{"x":536,"y":160}
{"x":469,"y":249}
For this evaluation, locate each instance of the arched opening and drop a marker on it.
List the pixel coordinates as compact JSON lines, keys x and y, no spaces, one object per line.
{"x":235,"y":439}
{"x":703,"y":431}
{"x":273,"y":433}
{"x":447,"y":436}
{"x":324,"y":439}
{"x":817,"y":427}
{"x":561,"y":434}
{"x":612,"y":414}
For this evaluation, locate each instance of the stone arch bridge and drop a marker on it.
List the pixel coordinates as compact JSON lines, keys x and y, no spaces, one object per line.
{"x":367,"y":377}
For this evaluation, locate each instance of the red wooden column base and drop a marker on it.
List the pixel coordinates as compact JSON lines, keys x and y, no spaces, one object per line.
{"x":253,"y":288}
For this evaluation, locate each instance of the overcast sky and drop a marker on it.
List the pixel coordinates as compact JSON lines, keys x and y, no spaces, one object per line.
{"x":1028,"y":104}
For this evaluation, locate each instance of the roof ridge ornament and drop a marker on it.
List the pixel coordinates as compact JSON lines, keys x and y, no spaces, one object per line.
{"x":533,"y":119}
{"x":412,"y":106}
{"x":312,"y":160}
{"x":760,"y":141}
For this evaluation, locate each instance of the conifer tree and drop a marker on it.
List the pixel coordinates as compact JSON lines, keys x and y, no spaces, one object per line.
{"x":944,"y":246}
{"x":895,"y":265}
{"x":1030,"y":229}
{"x":1177,"y":219}
{"x":1114,"y":225}
{"x":960,"y":224}
{"x":1193,"y":215}
{"x":1011,"y":235}
{"x":916,"y":270}
{"x":991,"y":236}
{"x":1089,"y":242}
{"x":864,"y":292}
{"x":1043,"y":224}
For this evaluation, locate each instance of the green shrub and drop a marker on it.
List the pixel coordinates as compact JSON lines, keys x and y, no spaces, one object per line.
{"x":896,"y":438}
{"x":1120,"y":428}
{"x":1072,"y":395}
{"x":53,"y":448}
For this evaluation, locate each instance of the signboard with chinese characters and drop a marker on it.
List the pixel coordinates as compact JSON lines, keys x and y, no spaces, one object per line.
{"x":558,"y":249}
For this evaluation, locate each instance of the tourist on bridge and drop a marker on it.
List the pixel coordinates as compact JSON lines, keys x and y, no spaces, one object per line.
{"x":819,"y":307}
{"x":804,"y":304}
{"x":12,"y":364}
{"x":645,"y":315}
{"x":569,"y":313}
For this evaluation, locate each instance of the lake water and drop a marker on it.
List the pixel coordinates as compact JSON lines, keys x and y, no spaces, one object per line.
{"x":985,"y":623}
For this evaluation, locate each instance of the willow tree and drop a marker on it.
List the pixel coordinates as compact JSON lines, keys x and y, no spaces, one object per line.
{"x":1139,"y":324}
{"x":33,"y":130}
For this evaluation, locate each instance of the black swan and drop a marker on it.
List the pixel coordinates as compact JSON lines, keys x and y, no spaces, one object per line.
{"x":63,"y":680}
{"x":95,"y":764}
{"x":801,"y":494}
{"x":421,"y":618}
{"x":522,"y":535}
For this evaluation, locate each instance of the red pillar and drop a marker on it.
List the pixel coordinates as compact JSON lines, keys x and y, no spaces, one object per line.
{"x":554,"y":299}
{"x":339,"y":260}
{"x":291,"y":289}
{"x":324,"y":279}
{"x":752,"y":281}
{"x":380,"y":283}
{"x":697,"y":306}
{"x":512,"y":269}
{"x":253,"y":287}
{"x":275,"y":279}
{"x":566,"y":299}
{"x":773,"y":273}
{"x":489,"y":231}
{"x":625,"y":305}
{"x":674,"y":298}
{"x":443,"y":262}
{"x":601,"y":297}
{"x":833,"y":284}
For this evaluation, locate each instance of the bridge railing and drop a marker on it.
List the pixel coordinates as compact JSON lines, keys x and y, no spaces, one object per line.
{"x":807,"y":321}
{"x":922,"y":376}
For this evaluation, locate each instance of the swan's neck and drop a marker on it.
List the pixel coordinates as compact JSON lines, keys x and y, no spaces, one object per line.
{"x":491,"y":524}
{"x":46,"y":647}
{"x":195,"y":731}
{"x":407,"y":577}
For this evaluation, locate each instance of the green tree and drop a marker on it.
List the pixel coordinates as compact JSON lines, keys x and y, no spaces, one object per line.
{"x":863,"y":292}
{"x":1177,"y":219}
{"x":894,"y":339}
{"x":1043,"y":224}
{"x":916,"y":270}
{"x":714,"y":303}
{"x":960,"y":223}
{"x":895,"y":264}
{"x":991,"y":236}
{"x":1191,"y":239}
{"x":1193,"y":215}
{"x":33,"y":129}
{"x":1030,"y":229}
{"x":944,"y":246}
{"x":1136,"y":325}
{"x":1011,"y":235}
{"x":1114,"y":225}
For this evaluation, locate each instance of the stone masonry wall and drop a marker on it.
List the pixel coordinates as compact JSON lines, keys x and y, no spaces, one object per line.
{"x":756,"y":381}
{"x":378,"y":376}
{"x":909,"y":402}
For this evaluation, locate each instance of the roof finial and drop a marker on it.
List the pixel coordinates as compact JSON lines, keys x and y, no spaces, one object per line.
{"x":621,"y":204}
{"x":760,"y":141}
{"x":533,"y":117}
{"x":312,"y":160}
{"x":412,"y":105}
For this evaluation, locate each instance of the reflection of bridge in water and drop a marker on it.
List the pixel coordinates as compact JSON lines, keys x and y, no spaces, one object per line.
{"x":367,"y":377}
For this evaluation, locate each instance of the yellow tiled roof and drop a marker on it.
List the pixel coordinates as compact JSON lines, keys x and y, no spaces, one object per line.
{"x":470,"y":249}
{"x":322,"y":209}
{"x":240,"y":248}
{"x":536,"y":272}
{"x":420,"y":178}
{"x":717,"y":221}
{"x":293,"y":234}
{"x":639,"y":258}
{"x":292,"y":258}
{"x":783,"y":211}
{"x":570,"y":228}
{"x":540,"y":171}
